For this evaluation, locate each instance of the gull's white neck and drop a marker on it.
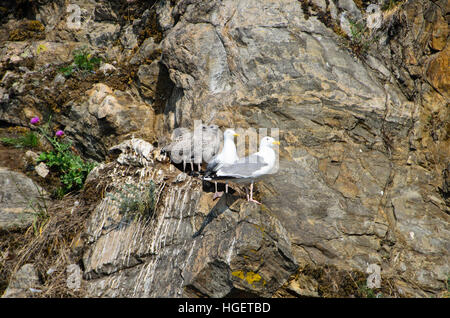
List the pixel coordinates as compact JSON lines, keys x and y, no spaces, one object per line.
{"x":229,"y":150}
{"x":268,"y":154}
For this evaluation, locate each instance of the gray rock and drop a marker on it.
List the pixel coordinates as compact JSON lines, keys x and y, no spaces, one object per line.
{"x":165,"y":18}
{"x":148,"y":50}
{"x":134,"y":152}
{"x":103,"y":114}
{"x":279,"y":70}
{"x":18,"y":196}
{"x":129,"y":38}
{"x":189,"y":247}
{"x":59,"y":79}
{"x":24,"y":281}
{"x":363,"y":177}
{"x":42,"y":170}
{"x":148,"y":78}
{"x":31,"y":155}
{"x":107,"y":69}
{"x":74,"y":276}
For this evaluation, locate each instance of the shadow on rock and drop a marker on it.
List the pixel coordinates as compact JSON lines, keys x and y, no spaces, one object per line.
{"x":222,"y":205}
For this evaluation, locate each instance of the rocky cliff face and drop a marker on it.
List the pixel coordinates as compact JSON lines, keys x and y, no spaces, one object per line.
{"x":363,"y":120}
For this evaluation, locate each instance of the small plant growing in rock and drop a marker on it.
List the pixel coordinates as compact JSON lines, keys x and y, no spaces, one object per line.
{"x":30,"y":140}
{"x":366,"y":292}
{"x":360,"y":38}
{"x":40,"y":212}
{"x":136,"y":200}
{"x":72,"y":169}
{"x":83,"y":62}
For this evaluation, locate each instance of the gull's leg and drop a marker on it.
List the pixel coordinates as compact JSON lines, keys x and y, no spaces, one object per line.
{"x":226,"y":187}
{"x":184,"y":166}
{"x":199,"y":166}
{"x":192,"y":166}
{"x":216,"y":194}
{"x":246,"y":192}
{"x":251,"y":194}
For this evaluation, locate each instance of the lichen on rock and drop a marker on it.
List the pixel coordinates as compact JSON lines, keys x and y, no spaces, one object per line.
{"x":362,"y":115}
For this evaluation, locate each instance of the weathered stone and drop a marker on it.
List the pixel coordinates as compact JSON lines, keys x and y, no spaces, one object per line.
{"x":24,"y":281}
{"x":237,"y":247}
{"x":107,"y":68}
{"x":438,"y":72}
{"x":148,"y":77}
{"x":74,"y":277}
{"x":363,"y":172}
{"x":31,"y":155}
{"x":18,"y":196}
{"x":59,"y":80}
{"x":42,"y":170}
{"x":149,"y":50}
{"x":104,"y":113}
{"x":134,"y":152}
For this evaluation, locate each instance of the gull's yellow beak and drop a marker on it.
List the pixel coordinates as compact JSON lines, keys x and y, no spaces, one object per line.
{"x":276,"y":142}
{"x":236,"y":135}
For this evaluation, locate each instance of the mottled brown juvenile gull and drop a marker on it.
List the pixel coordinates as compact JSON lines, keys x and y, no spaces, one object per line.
{"x":206,"y":143}
{"x":197,"y":146}
{"x":181,"y":147}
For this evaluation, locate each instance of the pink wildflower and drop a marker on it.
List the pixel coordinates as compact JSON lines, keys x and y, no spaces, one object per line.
{"x":34,"y":120}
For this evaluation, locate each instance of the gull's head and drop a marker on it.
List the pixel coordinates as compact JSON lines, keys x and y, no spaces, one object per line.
{"x":229,"y":133}
{"x":268,"y":142}
{"x":213,"y":127}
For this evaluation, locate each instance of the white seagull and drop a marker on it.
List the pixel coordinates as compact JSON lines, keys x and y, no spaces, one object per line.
{"x":227,"y":156}
{"x":247,"y":169}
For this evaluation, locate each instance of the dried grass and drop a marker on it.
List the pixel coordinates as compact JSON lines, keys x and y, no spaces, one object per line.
{"x":58,"y":243}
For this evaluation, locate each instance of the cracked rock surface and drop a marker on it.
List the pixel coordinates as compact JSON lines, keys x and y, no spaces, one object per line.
{"x":363,"y":178}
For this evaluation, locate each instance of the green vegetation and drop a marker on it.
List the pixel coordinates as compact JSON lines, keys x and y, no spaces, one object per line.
{"x":136,"y":200}
{"x":365,"y":291}
{"x":30,"y":140}
{"x":40,"y":212}
{"x":72,"y":169}
{"x":360,"y":37}
{"x":83,"y":62}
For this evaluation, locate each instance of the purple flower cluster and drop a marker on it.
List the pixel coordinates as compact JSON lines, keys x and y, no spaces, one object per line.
{"x":35,"y":120}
